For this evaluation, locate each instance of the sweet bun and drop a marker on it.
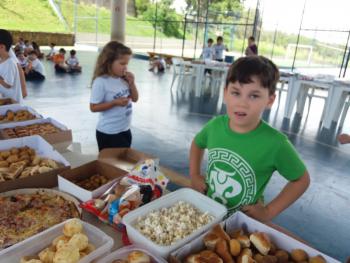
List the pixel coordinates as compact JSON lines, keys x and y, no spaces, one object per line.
{"x":261,"y":243}
{"x":47,"y":255}
{"x":138,"y":257}
{"x":64,"y":238}
{"x":210,"y":240}
{"x":79,"y":240}
{"x":218,"y":231}
{"x":317,"y":259}
{"x":222,"y":250}
{"x":72,"y":227}
{"x":67,"y":254}
{"x":244,"y":240}
{"x":61,"y":244}
{"x":235,"y":247}
{"x":299,"y":255}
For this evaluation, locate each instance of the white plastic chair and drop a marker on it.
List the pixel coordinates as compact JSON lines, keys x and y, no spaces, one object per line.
{"x":180,"y":72}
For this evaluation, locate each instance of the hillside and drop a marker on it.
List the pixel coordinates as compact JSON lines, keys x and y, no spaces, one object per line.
{"x":29,"y":15}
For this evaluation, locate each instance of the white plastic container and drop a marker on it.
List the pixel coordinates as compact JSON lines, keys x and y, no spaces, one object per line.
{"x":34,"y":244}
{"x":124,"y":252}
{"x":198,"y":200}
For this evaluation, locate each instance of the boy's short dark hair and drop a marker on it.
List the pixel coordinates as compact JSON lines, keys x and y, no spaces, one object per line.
{"x":53,"y":44}
{"x":62,"y":50}
{"x":220,"y":38}
{"x":210,"y":40}
{"x":6,"y":39}
{"x":73,"y":52}
{"x":243,"y":69}
{"x":252,"y":38}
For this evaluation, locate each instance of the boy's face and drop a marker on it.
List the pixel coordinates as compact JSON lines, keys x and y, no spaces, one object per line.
{"x":219,"y":42}
{"x":32,"y":57}
{"x":245,"y":103}
{"x":209,"y":44}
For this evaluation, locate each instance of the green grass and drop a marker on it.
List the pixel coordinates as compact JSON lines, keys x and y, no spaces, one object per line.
{"x":29,"y":15}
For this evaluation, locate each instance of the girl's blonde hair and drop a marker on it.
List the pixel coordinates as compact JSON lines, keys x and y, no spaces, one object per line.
{"x":110,"y":52}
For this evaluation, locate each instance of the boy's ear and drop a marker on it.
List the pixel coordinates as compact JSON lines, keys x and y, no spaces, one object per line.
{"x":271,"y":101}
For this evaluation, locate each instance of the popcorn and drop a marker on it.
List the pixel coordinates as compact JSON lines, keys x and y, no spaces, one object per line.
{"x":168,"y":225}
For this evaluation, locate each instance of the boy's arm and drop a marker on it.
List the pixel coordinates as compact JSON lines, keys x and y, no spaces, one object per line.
{"x":109,"y":105}
{"x":23,"y":81}
{"x":290,"y":193}
{"x":196,"y":157}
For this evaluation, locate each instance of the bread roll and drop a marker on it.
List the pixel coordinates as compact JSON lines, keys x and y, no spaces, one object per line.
{"x":235,"y":247}
{"x":193,"y":258}
{"x":222,"y":250}
{"x":261,"y":243}
{"x":269,"y":259}
{"x":247,"y":251}
{"x":244,"y":240}
{"x":72,"y":227}
{"x":210,"y":257}
{"x":138,"y":257}
{"x":317,"y":259}
{"x":299,"y":255}
{"x":210,"y":241}
{"x":236,"y":233}
{"x":258,"y":258}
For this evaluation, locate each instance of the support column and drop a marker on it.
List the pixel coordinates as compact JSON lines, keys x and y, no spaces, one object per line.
{"x":118,"y":17}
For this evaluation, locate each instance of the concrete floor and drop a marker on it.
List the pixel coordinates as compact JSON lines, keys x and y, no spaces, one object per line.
{"x":165,"y":122}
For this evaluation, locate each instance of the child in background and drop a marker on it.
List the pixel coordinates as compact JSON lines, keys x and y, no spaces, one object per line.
{"x":113,"y":91}
{"x":36,"y":48}
{"x":252,"y":49}
{"x":10,"y":83}
{"x":21,"y":73}
{"x":243,"y":150}
{"x":22,"y":60}
{"x":208,"y":52}
{"x":158,"y":64}
{"x":73,"y":62}
{"x":59,"y":60}
{"x":219,"y":48}
{"x":52,"y":52}
{"x":35,"y":69}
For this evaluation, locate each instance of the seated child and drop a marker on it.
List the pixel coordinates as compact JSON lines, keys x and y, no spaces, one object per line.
{"x":35,"y":69}
{"x":243,"y":150}
{"x":52,"y":52}
{"x":158,"y":64}
{"x":73,"y":62}
{"x":58,"y":59}
{"x":22,"y":60}
{"x":36,"y":48}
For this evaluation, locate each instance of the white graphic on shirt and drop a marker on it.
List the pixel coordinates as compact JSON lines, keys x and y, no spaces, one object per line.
{"x":231,"y":180}
{"x":225,"y":186}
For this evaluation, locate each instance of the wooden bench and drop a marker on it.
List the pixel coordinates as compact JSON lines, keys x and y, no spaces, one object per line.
{"x":167,"y":57}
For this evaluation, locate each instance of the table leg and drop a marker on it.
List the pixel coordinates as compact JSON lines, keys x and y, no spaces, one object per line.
{"x":292,"y":94}
{"x":334,"y":98}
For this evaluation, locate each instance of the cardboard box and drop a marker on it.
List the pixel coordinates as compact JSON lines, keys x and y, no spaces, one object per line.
{"x":240,"y":220}
{"x":66,"y":179}
{"x":43,"y":149}
{"x":126,"y":158}
{"x":123,"y":158}
{"x":7,"y":101}
{"x":15,"y":108}
{"x":63,"y":137}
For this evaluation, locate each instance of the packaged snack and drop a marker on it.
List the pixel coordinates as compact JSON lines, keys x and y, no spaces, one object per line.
{"x":143,"y":184}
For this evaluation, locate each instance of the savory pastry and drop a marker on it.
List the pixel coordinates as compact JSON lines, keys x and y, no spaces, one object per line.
{"x":72,"y":227}
{"x":79,"y":240}
{"x":46,"y":256}
{"x":261,"y":243}
{"x":67,"y":254}
{"x":138,"y":257}
{"x":235,"y":247}
{"x":299,"y":255}
{"x":258,"y":257}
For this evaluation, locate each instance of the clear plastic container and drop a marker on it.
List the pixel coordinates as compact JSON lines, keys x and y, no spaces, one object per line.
{"x":124,"y":252}
{"x":198,"y":200}
{"x":35,"y":244}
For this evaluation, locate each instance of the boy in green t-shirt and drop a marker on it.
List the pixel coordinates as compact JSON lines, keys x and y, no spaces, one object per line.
{"x":243,"y":150}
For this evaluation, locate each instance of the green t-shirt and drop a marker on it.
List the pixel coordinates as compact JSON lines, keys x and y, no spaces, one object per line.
{"x":241,"y":164}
